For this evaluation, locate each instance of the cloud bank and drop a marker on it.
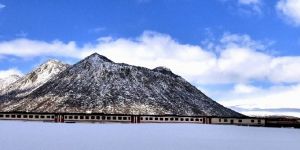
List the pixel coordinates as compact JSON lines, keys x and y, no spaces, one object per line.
{"x":238,"y":59}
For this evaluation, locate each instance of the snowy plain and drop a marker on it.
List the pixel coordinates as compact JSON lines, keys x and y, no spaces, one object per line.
{"x":17,"y":135}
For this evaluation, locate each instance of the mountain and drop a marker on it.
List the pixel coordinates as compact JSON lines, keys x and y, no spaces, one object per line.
{"x":25,"y":85}
{"x":4,"y":82}
{"x":99,"y":85}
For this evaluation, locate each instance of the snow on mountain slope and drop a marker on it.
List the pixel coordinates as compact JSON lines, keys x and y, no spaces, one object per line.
{"x":4,"y":82}
{"x":34,"y":79}
{"x":99,"y":85}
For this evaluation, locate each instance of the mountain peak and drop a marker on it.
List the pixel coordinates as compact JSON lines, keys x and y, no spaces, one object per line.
{"x":52,"y":61}
{"x":31,"y":81}
{"x":97,"y":58}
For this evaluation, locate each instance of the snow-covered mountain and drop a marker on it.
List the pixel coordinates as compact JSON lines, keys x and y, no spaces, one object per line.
{"x":97,"y":84}
{"x":4,"y":82}
{"x":28,"y":83}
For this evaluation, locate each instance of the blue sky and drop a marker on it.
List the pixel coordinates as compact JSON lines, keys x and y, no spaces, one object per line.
{"x":187,"y":21}
{"x":240,"y":52}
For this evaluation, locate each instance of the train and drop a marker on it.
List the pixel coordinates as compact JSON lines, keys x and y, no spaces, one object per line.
{"x":126,"y":118}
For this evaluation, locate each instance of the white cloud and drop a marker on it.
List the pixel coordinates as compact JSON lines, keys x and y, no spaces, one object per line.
{"x":245,"y":89}
{"x":30,"y":48}
{"x":6,"y":73}
{"x":2,"y":6}
{"x":271,"y":98}
{"x":290,"y":10}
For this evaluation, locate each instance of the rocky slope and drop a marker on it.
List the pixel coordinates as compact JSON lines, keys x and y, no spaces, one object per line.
{"x":99,"y":85}
{"x":25,"y":85}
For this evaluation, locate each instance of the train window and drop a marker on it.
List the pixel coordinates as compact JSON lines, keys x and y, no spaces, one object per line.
{"x":114,"y":118}
{"x":70,"y":117}
{"x":92,"y":117}
{"x":186,"y":119}
{"x":146,"y":118}
{"x":30,"y":116}
{"x":192,"y":119}
{"x":87,"y":117}
{"x":161,"y":119}
{"x":98,"y":117}
{"x":196,"y":119}
{"x":200,"y":119}
{"x":181,"y":119}
{"x":166,"y":119}
{"x":240,"y":120}
{"x":36,"y":116}
{"x":13,"y":116}
{"x":7,"y":116}
{"x":176,"y":119}
{"x":48,"y":117}
{"x":220,"y":120}
{"x":225,"y":120}
{"x":171,"y":119}
{"x":252,"y":120}
{"x":119,"y":118}
{"x":75,"y":117}
{"x":142,"y":118}
{"x":1,"y":116}
{"x":108,"y":118}
{"x":156,"y":118}
{"x":52,"y":117}
{"x":25,"y":116}
{"x":150,"y":118}
{"x":81,"y":117}
{"x":258,"y":121}
{"x":42,"y":116}
{"x":103,"y":117}
{"x":124,"y":118}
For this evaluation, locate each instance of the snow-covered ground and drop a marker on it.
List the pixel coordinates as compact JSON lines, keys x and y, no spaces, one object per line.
{"x":16,"y":135}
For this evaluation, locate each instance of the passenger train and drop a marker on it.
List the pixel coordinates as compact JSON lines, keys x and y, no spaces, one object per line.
{"x":122,"y":118}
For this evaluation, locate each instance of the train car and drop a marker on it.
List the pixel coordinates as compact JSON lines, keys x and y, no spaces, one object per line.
{"x":247,"y":121}
{"x":97,"y":118}
{"x":171,"y":119}
{"x":27,"y":116}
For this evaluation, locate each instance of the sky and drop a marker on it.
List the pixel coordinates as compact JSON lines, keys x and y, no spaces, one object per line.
{"x":245,"y":54}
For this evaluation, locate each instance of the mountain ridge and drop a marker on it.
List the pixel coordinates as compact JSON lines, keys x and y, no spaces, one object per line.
{"x":99,"y":85}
